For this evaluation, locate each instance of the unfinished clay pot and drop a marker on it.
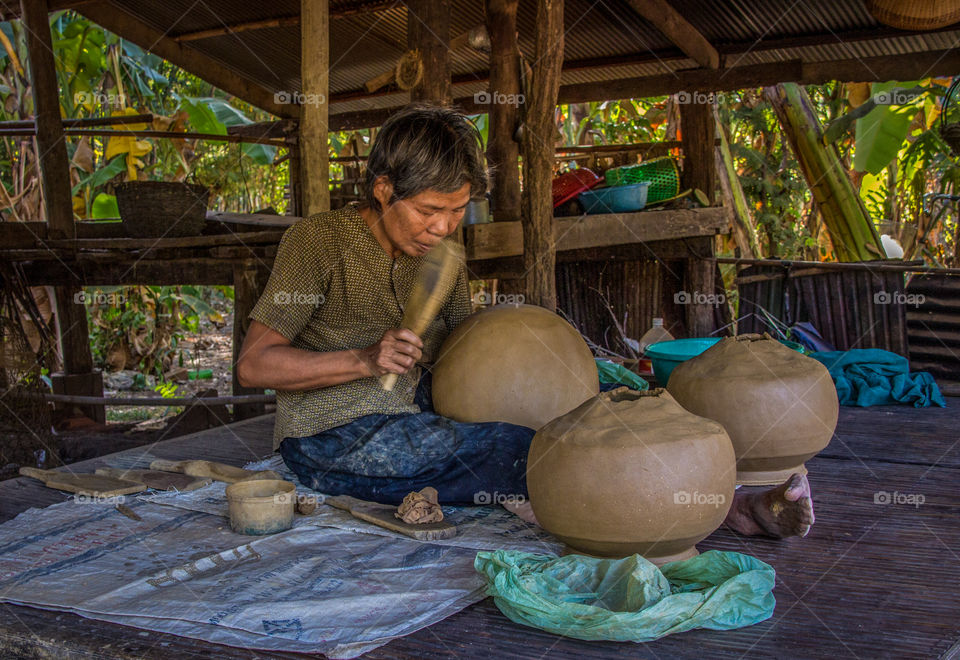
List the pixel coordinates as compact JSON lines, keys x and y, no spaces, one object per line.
{"x":513,"y":363}
{"x":780,"y":407}
{"x":631,"y":472}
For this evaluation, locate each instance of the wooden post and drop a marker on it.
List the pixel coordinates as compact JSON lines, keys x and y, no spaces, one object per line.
{"x":503,"y":152}
{"x":697,"y":137}
{"x":78,"y":376}
{"x":246,"y":292}
{"x":51,"y":143}
{"x":539,"y":131}
{"x":428,"y":31}
{"x":294,"y":173}
{"x":314,"y":109}
{"x":699,"y":286}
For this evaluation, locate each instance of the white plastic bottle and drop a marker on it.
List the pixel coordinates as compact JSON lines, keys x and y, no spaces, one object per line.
{"x":656,"y":333}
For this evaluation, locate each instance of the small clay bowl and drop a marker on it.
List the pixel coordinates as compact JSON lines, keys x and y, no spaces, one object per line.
{"x":263,"y":506}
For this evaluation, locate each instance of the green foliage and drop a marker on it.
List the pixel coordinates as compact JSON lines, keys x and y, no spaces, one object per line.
{"x":880,"y":134}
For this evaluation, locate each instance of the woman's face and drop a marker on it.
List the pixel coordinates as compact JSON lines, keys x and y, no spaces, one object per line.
{"x":417,"y":224}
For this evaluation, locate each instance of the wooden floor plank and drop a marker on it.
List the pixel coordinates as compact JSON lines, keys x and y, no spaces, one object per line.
{"x":870,"y":580}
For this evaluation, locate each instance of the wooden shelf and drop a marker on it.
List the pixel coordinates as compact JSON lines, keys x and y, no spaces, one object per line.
{"x":495,"y":240}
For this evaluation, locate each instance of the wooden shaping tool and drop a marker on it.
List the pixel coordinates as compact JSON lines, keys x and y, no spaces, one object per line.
{"x":382,"y":515}
{"x":219,"y":471}
{"x":93,"y":485}
{"x":424,"y":302}
{"x":158,"y":480}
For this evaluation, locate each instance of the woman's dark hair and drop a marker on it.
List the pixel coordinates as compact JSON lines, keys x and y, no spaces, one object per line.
{"x":426,"y":147}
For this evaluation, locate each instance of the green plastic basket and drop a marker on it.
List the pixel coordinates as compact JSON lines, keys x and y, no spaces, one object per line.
{"x":660,"y":172}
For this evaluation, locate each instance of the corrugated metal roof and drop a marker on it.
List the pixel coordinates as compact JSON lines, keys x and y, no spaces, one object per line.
{"x":365,"y":44}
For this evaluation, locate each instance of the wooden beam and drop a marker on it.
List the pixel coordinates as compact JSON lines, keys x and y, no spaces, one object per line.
{"x":115,"y":19}
{"x":678,"y":30}
{"x":263,"y":24}
{"x":503,"y":152}
{"x":428,"y":31}
{"x":494,"y":240}
{"x":314,"y":116}
{"x":539,"y":130}
{"x":873,"y":69}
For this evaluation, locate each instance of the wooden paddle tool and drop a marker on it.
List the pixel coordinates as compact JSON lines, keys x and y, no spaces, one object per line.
{"x":92,"y":485}
{"x":382,"y":515}
{"x":439,"y":265}
{"x":218,"y":471}
{"x":156,"y":479}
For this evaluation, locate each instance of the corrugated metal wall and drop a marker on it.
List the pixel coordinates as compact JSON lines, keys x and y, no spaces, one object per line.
{"x":851,"y":309}
{"x":933,"y":325}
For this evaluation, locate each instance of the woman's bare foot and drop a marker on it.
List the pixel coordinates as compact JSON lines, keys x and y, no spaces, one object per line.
{"x":786,"y":510}
{"x":521,"y":509}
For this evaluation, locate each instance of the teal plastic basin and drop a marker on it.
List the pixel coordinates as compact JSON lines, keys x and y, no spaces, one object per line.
{"x":666,"y":355}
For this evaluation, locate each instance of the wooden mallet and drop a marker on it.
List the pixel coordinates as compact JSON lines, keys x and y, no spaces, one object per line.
{"x":439,"y":266}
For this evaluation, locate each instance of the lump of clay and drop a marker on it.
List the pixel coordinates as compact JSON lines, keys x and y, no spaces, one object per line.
{"x":513,"y":363}
{"x":420,"y":508}
{"x":780,"y":407}
{"x":631,"y":472}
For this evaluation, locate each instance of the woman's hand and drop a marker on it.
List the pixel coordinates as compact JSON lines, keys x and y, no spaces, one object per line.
{"x":396,"y":353}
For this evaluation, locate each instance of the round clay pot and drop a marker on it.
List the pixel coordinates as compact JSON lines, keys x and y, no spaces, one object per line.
{"x":631,"y":472}
{"x":513,"y":363}
{"x":779,"y":407}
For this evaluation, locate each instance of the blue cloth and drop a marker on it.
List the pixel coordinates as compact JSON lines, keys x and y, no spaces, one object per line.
{"x":874,"y":377}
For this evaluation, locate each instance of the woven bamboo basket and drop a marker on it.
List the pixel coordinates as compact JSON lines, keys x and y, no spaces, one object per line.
{"x":915,"y":14}
{"x":155,"y":209}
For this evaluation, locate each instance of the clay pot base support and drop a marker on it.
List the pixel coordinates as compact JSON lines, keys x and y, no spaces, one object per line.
{"x":657,"y":561}
{"x":769,"y":477}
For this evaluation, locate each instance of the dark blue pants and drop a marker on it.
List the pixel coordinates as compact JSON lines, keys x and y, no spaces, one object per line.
{"x":384,"y":457}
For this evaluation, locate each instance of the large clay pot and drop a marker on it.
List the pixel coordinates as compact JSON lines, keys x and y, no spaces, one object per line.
{"x":513,"y":363}
{"x":631,"y":472}
{"x":779,"y":407}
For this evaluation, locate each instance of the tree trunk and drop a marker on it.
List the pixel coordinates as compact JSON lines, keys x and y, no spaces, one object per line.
{"x":851,"y":230}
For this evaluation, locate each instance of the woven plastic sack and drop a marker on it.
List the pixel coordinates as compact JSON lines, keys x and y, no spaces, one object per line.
{"x":628,"y":599}
{"x":612,"y":373}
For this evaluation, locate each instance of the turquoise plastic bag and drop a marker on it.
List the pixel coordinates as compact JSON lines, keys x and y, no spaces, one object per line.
{"x":617,"y":374}
{"x":630,"y":599}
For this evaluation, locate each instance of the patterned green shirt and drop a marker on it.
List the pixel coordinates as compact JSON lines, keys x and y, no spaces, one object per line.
{"x":334,"y":288}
